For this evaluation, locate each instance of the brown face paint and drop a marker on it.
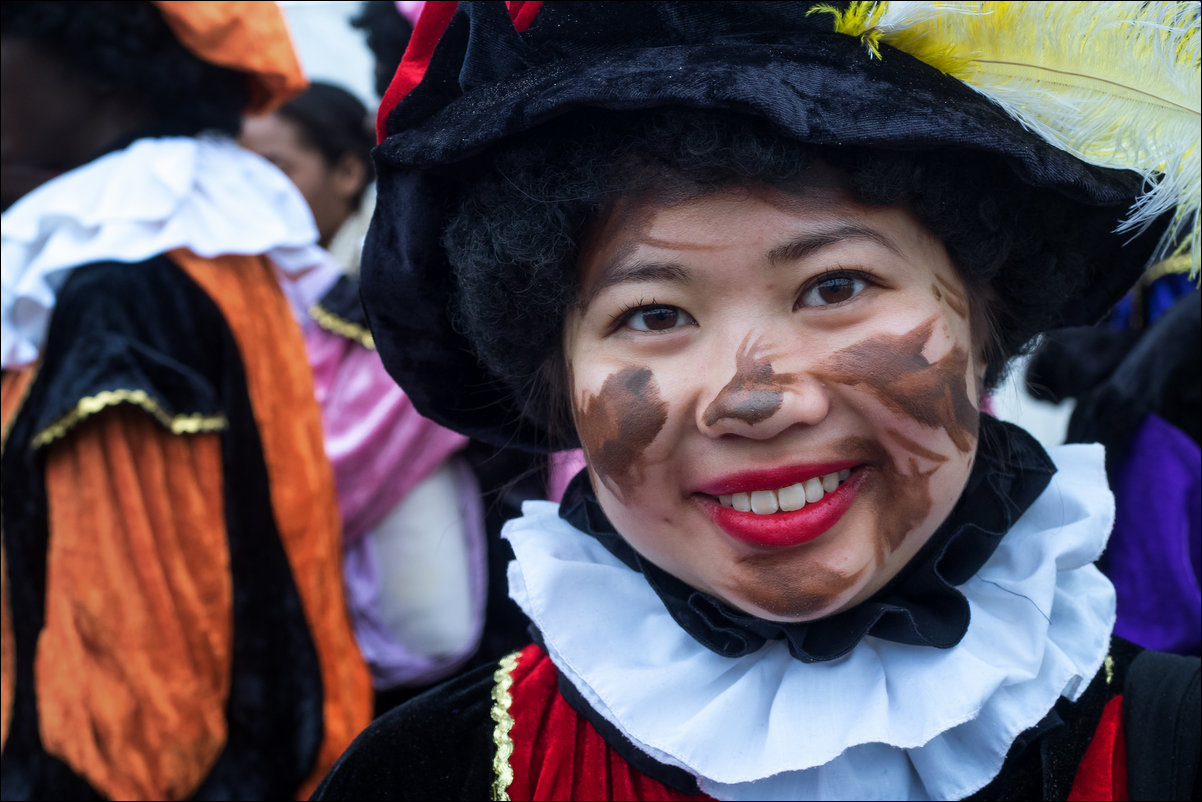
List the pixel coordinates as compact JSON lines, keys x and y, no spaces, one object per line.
{"x":754,"y":393}
{"x":617,"y":424}
{"x":894,"y":370}
{"x":902,"y":501}
{"x":954,"y":299}
{"x":793,"y":593}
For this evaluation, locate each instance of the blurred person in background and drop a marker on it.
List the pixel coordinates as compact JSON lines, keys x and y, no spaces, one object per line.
{"x":322,"y":140}
{"x":1135,"y":381}
{"x":413,"y":531}
{"x":386,"y":26}
{"x":173,"y":615}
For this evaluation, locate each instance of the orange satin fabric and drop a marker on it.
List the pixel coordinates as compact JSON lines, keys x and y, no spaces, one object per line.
{"x":302,"y":483}
{"x":133,"y":664}
{"x":244,"y":35}
{"x":13,"y":386}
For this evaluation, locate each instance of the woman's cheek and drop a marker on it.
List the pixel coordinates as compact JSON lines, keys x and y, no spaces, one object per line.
{"x":618,"y":423}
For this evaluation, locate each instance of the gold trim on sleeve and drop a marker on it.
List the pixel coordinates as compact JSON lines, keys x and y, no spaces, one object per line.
{"x":501,"y":700}
{"x":91,"y":405}
{"x":342,"y":327}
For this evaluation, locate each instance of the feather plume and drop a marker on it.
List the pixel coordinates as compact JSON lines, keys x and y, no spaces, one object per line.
{"x":1114,"y":83}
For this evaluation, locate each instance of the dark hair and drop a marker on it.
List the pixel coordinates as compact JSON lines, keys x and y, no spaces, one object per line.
{"x":129,"y":46}
{"x":334,"y":122}
{"x":387,"y":32}
{"x":515,"y":238}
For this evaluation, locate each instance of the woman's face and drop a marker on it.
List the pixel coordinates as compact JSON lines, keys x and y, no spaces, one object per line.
{"x":777,"y":395}
{"x":328,"y":189}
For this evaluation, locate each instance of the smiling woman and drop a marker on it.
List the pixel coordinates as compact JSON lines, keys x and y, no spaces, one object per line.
{"x":794,"y":338}
{"x":764,"y":272}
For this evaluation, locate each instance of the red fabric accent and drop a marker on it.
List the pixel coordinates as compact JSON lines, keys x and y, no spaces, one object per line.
{"x":557,"y":754}
{"x":1102,"y":774}
{"x":436,"y":16}
{"x":523,"y":12}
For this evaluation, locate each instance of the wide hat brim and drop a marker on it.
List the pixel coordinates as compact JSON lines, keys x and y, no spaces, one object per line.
{"x":485,"y":81}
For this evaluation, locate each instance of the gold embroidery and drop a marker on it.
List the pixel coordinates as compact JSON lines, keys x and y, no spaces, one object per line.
{"x":342,"y":327}
{"x":501,"y":699}
{"x":1108,"y":665}
{"x":179,"y":424}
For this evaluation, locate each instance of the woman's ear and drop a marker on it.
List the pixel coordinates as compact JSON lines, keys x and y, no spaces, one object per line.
{"x":349,"y":176}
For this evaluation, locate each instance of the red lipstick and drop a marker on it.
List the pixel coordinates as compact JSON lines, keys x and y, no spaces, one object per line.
{"x":785,"y":529}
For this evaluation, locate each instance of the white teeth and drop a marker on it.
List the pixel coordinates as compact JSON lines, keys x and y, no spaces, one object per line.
{"x":814,"y":491}
{"x":763,"y":502}
{"x":787,"y":499}
{"x":792,"y":497}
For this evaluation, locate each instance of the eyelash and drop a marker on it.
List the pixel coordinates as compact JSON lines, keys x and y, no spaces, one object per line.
{"x":627,"y":310}
{"x":832,"y":273}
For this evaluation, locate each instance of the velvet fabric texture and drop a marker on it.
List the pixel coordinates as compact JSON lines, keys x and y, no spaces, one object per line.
{"x":1153,"y":557}
{"x":919,"y":606}
{"x":440,"y":745}
{"x":486,"y":81}
{"x":293,"y":699}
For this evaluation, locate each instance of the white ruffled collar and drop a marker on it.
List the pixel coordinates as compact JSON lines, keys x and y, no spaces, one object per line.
{"x":204,"y":193}
{"x":887,"y":721}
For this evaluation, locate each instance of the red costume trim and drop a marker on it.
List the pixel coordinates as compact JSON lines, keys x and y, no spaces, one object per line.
{"x":556,"y":752}
{"x":1102,"y":774}
{"x":436,"y":16}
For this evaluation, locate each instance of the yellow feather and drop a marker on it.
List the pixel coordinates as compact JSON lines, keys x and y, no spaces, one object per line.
{"x":1114,"y":83}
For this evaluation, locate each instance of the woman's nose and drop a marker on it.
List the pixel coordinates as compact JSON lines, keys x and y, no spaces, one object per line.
{"x":758,"y":400}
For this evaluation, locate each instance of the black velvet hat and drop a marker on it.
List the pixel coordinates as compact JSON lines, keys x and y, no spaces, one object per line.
{"x":478,"y":72}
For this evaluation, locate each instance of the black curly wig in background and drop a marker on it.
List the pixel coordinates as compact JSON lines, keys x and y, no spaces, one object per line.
{"x":128,"y":46}
{"x":515,"y":239}
{"x":387,"y":33}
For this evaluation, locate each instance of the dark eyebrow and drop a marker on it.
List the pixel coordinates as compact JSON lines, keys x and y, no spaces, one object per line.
{"x":808,"y":243}
{"x":619,"y":272}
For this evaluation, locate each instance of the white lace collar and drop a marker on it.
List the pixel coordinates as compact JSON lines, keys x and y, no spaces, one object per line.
{"x":887,"y":721}
{"x":206,"y":194}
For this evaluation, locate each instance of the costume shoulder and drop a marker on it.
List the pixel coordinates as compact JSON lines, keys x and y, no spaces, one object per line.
{"x":141,"y":333}
{"x":341,"y":312}
{"x":438,"y":745}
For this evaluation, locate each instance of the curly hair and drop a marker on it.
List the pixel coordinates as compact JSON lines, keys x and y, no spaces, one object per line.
{"x":128,"y":45}
{"x":515,"y":239}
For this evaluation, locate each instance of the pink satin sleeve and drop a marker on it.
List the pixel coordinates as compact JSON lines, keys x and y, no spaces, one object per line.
{"x":379,"y":445}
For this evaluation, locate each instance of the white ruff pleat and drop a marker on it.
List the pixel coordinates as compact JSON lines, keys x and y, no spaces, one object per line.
{"x":205,"y":194}
{"x":887,"y":721}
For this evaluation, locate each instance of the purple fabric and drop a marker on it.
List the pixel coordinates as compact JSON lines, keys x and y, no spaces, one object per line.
{"x":379,"y":445}
{"x":564,"y":466}
{"x":392,"y":664}
{"x":1153,"y":557}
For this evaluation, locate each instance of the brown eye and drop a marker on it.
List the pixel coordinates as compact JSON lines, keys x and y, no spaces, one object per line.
{"x":658,"y":318}
{"x":833,"y":290}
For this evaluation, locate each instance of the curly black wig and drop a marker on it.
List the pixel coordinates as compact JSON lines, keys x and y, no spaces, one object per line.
{"x":333,"y":122}
{"x":515,"y":238}
{"x":127,"y":45}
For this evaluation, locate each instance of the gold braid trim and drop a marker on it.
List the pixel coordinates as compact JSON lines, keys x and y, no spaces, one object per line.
{"x":342,"y":327}
{"x":501,"y":699}
{"x":1108,"y":665}
{"x":178,"y":424}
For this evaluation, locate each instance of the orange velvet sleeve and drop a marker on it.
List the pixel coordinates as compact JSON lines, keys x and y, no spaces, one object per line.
{"x":133,"y":666}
